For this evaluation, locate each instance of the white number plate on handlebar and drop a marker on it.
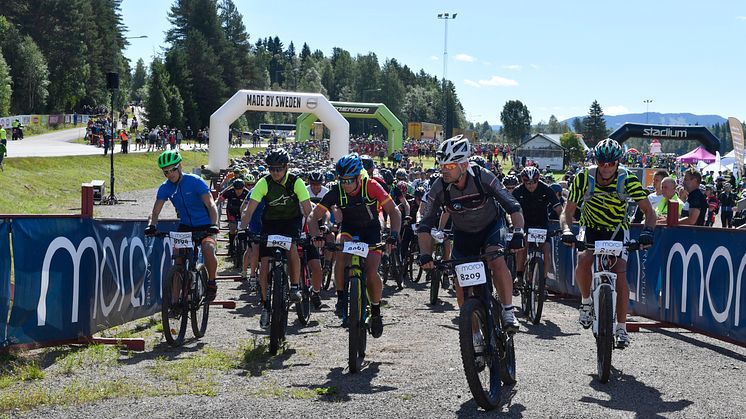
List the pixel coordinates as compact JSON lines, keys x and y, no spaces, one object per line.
{"x":608,"y":247}
{"x":537,"y":235}
{"x":470,"y":274}
{"x":276,"y":240}
{"x":355,"y":248}
{"x":438,"y":235}
{"x":181,"y":240}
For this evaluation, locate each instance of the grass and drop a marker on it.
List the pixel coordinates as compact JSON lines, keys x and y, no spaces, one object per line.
{"x":96,"y":356}
{"x":30,"y":130}
{"x":15,"y":369}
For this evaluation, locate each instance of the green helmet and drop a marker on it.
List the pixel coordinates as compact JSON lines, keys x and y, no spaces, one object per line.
{"x":169,"y":158}
{"x":608,"y":151}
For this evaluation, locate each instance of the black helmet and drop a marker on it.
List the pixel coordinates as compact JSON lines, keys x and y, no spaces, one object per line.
{"x":419,"y":192}
{"x":316,"y":177}
{"x":368,"y":164}
{"x":478,"y":160}
{"x":510,"y":181}
{"x":277,"y":157}
{"x":238,"y":183}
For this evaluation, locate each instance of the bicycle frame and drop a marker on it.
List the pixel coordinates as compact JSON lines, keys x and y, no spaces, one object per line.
{"x":603,"y":277}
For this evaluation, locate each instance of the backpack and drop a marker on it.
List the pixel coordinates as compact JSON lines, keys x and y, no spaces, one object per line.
{"x":621,"y":187}
{"x":343,"y":195}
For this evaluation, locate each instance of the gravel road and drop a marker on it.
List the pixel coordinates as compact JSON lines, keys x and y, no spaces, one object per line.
{"x":413,"y":370}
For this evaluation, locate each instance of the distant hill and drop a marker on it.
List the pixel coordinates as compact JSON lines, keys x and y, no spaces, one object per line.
{"x":616,"y":121}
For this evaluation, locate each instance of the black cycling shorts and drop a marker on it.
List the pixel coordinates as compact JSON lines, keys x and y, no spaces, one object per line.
{"x":288,"y":228}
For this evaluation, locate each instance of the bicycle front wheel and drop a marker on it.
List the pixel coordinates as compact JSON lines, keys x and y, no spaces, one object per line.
{"x":536,"y":290}
{"x":303,"y":308}
{"x":199,"y":307}
{"x":605,"y":336}
{"x":482,"y":373}
{"x":357,"y":332}
{"x":434,"y":277}
{"x":174,"y":308}
{"x":278,"y":317}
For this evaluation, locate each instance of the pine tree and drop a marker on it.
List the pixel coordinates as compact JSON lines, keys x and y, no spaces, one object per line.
{"x":516,"y":121}
{"x":594,"y":129}
{"x":156,"y":104}
{"x":5,"y":87}
{"x":138,"y":80}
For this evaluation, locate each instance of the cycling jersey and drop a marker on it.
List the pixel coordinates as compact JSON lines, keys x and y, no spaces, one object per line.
{"x":534,"y":205}
{"x":234,"y":201}
{"x":605,"y":210}
{"x":316,"y":198}
{"x":361,"y":209}
{"x":472,"y":208}
{"x":282,"y":198}
{"x":186,"y":197}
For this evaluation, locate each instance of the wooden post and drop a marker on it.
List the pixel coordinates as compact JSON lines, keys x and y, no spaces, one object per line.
{"x":86,"y":200}
{"x":672,"y":217}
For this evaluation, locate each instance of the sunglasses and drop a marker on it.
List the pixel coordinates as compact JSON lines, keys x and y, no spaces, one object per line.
{"x":530,"y":182}
{"x":347,"y":181}
{"x":449,"y":166}
{"x":171,"y":170}
{"x":607,"y":164}
{"x":276,"y":168}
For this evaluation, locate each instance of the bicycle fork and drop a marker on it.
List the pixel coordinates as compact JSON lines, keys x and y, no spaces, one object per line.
{"x":601,"y":280}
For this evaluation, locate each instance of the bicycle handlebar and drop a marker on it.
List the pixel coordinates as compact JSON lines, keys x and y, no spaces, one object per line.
{"x":447,"y":263}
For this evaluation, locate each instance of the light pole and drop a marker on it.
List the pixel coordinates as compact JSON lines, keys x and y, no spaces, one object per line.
{"x":445,"y":17}
{"x":647,"y":103}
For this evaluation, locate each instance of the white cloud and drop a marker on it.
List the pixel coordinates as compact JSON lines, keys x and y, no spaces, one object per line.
{"x":498,"y":81}
{"x":434,"y":58}
{"x":616,"y":110}
{"x":471,"y":83}
{"x":465,"y":58}
{"x":535,"y":66}
{"x":741,"y":17}
{"x":513,"y":67}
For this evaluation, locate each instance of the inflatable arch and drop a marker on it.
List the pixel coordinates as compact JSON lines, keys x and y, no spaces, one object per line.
{"x":668,"y":132}
{"x":377,"y":111}
{"x":269,"y":101}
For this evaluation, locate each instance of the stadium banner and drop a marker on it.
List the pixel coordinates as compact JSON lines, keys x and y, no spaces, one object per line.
{"x":736,"y":133}
{"x":75,"y":277}
{"x":692,"y":277}
{"x":5,"y":284}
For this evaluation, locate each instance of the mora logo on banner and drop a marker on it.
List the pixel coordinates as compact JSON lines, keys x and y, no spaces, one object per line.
{"x":75,"y":277}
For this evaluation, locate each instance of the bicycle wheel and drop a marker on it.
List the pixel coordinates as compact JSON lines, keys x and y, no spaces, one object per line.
{"x":434,"y":277}
{"x":605,"y":336}
{"x":327,"y":274}
{"x":303,"y":308}
{"x":174,"y":310}
{"x":238,"y":251}
{"x":536,"y":290}
{"x":357,"y":334}
{"x":199,"y":308}
{"x":396,"y":269}
{"x":482,"y":374}
{"x":384,"y":268}
{"x":278,"y":315}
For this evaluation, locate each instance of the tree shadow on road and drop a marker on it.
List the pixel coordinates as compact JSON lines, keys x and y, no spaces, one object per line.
{"x":506,"y":408}
{"x":340,"y":384}
{"x":682,"y":336}
{"x":627,"y":394}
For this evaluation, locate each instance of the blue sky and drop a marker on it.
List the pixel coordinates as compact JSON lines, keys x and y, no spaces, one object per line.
{"x":554,"y":56}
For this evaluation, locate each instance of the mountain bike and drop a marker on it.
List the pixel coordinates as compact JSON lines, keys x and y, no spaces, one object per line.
{"x":392,"y":266}
{"x":603,"y":293}
{"x":358,"y":315}
{"x":438,"y":277}
{"x":487,"y":350}
{"x":278,"y":289}
{"x":534,"y":284}
{"x":184,"y":288}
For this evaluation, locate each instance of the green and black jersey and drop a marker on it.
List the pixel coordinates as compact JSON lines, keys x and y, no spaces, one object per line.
{"x":605,"y":210}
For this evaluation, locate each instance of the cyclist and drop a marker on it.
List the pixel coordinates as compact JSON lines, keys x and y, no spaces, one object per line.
{"x":194,"y":204}
{"x":251,"y":257}
{"x":603,"y":190}
{"x":358,"y":197}
{"x":287,"y":202}
{"x":535,"y":197}
{"x":234,"y":197}
{"x":471,"y":194}
{"x":316,"y":191}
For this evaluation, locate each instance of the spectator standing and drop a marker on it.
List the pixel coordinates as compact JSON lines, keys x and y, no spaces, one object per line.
{"x":696,"y":199}
{"x":3,"y":135}
{"x":727,"y":203}
{"x":124,"y":139}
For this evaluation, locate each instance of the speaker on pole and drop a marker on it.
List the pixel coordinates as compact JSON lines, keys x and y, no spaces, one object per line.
{"x":112,"y":81}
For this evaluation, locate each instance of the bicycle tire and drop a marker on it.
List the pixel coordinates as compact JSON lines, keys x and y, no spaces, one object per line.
{"x":238,"y":251}
{"x":536,"y":291}
{"x":383,"y":268}
{"x":396,"y":269}
{"x":174,"y":337}
{"x":303,"y":308}
{"x":328,"y":269}
{"x":486,"y":388}
{"x":356,"y":329}
{"x":276,"y":326}
{"x":605,"y":336}
{"x":434,"y":277}
{"x":200,"y":308}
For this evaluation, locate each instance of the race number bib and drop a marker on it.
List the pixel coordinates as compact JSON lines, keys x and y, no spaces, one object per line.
{"x":470,"y":274}
{"x":438,"y":235}
{"x":181,"y":240}
{"x":356,"y":248}
{"x":414,"y":227}
{"x":608,"y":247}
{"x":276,"y":240}
{"x":537,"y":235}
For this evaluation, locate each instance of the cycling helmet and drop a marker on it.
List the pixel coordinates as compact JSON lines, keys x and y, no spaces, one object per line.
{"x":349,"y":165}
{"x":169,"y":158}
{"x":479,"y":160}
{"x":530,"y":173}
{"x":510,"y":181}
{"x":556,"y":187}
{"x":387,"y":176}
{"x":419,"y":192}
{"x":316,"y":177}
{"x":368,"y":164}
{"x":277,"y":157}
{"x":401,"y":174}
{"x":261,"y":169}
{"x":433,"y":178}
{"x":238,"y":183}
{"x":402,"y":186}
{"x":454,"y":150}
{"x":608,"y":151}
{"x":250,"y":179}
{"x":329,"y":176}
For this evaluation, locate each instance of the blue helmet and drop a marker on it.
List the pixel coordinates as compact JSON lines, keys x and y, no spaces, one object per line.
{"x":349,"y":165}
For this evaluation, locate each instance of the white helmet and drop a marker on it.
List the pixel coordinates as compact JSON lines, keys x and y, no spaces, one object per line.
{"x":454,"y":150}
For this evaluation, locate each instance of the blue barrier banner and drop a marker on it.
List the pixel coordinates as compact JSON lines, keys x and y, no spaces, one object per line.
{"x":75,"y":277}
{"x":6,"y":293}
